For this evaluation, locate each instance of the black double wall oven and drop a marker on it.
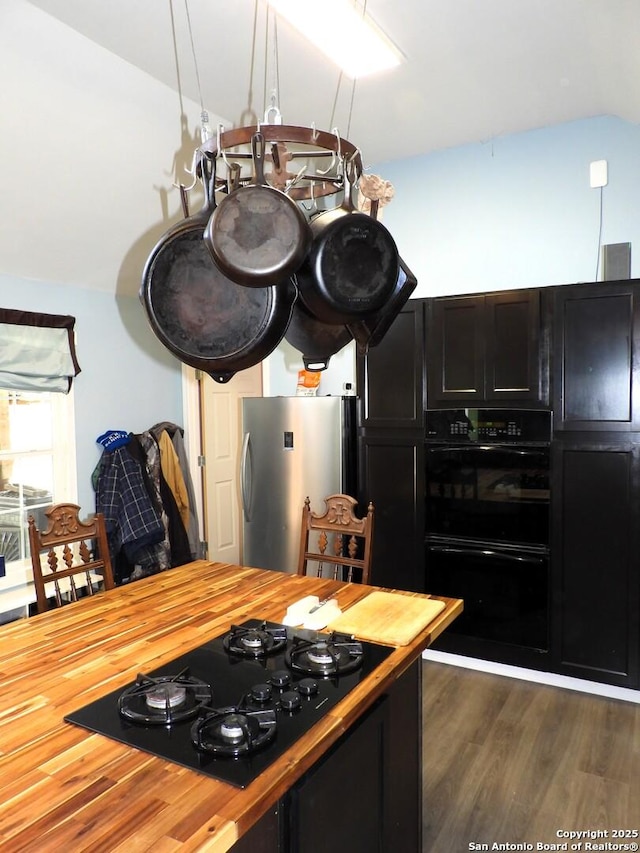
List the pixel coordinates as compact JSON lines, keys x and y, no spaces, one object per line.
{"x":487,"y":504}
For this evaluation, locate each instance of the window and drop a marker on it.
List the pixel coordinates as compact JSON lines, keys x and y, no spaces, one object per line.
{"x":37,"y":463}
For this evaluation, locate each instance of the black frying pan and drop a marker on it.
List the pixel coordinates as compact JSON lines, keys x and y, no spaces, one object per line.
{"x":317,"y":341}
{"x":351,"y":269}
{"x":370,"y":330}
{"x":258,"y":235}
{"x":205,"y":319}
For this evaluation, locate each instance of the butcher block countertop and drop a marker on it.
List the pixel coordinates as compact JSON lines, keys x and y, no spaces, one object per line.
{"x":64,"y":788}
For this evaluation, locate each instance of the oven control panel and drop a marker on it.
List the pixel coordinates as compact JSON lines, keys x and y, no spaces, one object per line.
{"x":500,"y":426}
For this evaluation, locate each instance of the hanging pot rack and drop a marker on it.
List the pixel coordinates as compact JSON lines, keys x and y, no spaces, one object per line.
{"x":310,"y":145}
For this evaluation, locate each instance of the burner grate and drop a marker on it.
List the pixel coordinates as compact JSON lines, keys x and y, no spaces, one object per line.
{"x":337,"y":655}
{"x":164,"y":700}
{"x":234,"y":732}
{"x":255,"y":642}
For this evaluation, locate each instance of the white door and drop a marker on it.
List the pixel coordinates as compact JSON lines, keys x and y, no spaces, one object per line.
{"x":221,"y":407}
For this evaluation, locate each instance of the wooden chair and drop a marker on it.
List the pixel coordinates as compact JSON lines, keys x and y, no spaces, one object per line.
{"x":66,"y":543}
{"x":336,"y":538}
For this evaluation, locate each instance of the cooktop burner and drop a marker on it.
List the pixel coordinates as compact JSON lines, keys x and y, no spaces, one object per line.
{"x":164,"y":700}
{"x":324,"y":657}
{"x":255,"y":642}
{"x":231,"y":707}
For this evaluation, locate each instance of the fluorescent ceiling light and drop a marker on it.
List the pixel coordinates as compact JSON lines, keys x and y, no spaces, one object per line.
{"x":342,"y":32}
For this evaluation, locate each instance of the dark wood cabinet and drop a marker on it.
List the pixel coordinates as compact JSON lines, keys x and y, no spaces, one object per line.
{"x":370,"y":782}
{"x":596,"y":351}
{"x":595,"y":542}
{"x":487,"y":349}
{"x":265,"y":836}
{"x":392,"y":473}
{"x":348,"y":784}
{"x":391,"y":375}
{"x":391,"y":459}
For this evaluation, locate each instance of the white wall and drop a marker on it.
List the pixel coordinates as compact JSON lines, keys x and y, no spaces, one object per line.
{"x":516,"y":211}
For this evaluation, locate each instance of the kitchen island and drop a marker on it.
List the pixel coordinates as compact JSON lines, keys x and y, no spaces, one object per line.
{"x":65,"y":788}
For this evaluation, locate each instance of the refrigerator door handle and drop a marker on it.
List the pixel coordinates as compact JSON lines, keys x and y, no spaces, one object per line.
{"x":245,"y":476}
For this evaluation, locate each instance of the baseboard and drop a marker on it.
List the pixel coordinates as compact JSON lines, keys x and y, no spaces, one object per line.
{"x":549,"y":678}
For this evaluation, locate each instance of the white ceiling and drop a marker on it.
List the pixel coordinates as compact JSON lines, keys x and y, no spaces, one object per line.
{"x":474,"y":70}
{"x":107,"y":90}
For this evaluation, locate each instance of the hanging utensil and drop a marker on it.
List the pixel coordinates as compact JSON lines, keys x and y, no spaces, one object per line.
{"x":258,"y":236}
{"x":352,"y":266}
{"x":370,"y":330}
{"x":317,"y":341}
{"x":204,"y":318}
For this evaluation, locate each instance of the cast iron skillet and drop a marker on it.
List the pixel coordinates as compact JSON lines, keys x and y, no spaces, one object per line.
{"x":258,"y":236}
{"x":351,"y":269}
{"x":205,"y":319}
{"x":370,"y":330}
{"x":317,"y":341}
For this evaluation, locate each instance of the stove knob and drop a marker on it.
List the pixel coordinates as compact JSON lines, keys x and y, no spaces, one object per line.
{"x":290,"y":701}
{"x":261,"y":692}
{"x":308,"y":687}
{"x":281,"y":678}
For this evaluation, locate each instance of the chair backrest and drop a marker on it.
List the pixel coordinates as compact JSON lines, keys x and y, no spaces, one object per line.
{"x":337,"y":538}
{"x":70,"y":558}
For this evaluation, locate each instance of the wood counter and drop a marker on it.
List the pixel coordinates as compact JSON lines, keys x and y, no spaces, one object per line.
{"x":64,"y":788}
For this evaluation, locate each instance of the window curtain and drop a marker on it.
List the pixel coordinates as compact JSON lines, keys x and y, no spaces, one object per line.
{"x":37,"y":351}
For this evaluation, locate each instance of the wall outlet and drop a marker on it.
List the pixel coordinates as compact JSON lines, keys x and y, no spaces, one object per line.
{"x":598,"y":173}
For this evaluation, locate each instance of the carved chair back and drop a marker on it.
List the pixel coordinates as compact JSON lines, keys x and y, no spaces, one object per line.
{"x":70,"y":559}
{"x":337,"y":538}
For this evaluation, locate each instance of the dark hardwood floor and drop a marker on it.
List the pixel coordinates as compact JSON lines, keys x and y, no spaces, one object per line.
{"x":508,"y":761}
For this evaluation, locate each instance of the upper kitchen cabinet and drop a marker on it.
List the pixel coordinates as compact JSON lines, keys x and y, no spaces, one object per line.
{"x":390,"y":376}
{"x":596,"y":355}
{"x":488,"y":350}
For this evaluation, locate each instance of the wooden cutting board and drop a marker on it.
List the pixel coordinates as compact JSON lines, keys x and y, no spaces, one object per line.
{"x":386,"y":617}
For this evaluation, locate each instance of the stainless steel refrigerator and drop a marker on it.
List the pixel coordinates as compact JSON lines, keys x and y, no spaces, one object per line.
{"x":293,"y":447}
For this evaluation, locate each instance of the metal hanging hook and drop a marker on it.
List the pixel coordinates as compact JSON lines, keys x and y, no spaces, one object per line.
{"x":192,"y":171}
{"x":335,"y":154}
{"x":313,"y":206}
{"x":219,"y":147}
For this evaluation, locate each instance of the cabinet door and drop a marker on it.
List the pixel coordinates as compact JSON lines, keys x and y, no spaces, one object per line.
{"x":390,"y":376}
{"x":487,"y":349}
{"x":339,"y":805}
{"x":265,"y":836}
{"x":455,"y":351}
{"x":392,"y":476}
{"x":596,"y":348}
{"x":512,"y":347}
{"x":594,"y":552}
{"x":403,"y":762}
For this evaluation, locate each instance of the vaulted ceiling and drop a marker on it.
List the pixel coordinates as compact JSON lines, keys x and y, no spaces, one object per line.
{"x":474,"y":69}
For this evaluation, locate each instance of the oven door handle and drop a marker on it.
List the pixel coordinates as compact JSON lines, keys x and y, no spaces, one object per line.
{"x":488,"y":448}
{"x":487,"y":552}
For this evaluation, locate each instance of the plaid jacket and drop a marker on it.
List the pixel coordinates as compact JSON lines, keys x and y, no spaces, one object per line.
{"x":132,"y":521}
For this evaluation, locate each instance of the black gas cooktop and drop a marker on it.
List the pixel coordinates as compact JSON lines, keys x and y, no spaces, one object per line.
{"x":232,"y":706}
